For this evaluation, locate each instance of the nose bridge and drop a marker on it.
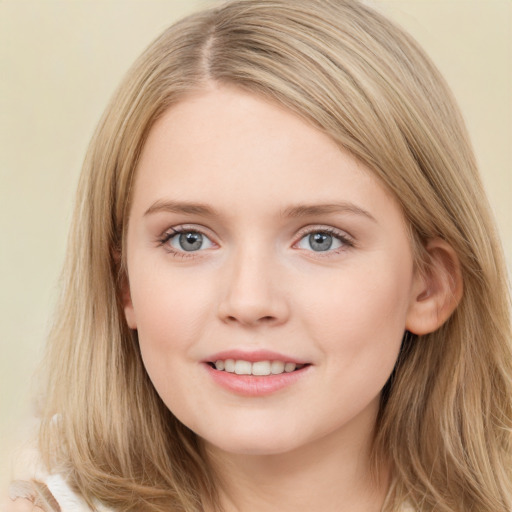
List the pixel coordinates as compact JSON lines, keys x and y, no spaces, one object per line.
{"x":253,"y":294}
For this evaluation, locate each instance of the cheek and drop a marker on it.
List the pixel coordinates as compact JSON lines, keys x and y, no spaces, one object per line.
{"x":165,"y":300}
{"x":171,"y":315}
{"x":170,"y":310}
{"x":359,"y":314}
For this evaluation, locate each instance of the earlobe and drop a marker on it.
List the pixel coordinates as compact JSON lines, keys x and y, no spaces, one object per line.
{"x":437,"y":291}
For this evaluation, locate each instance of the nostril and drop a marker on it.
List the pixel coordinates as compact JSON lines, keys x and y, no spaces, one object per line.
{"x":263,"y":319}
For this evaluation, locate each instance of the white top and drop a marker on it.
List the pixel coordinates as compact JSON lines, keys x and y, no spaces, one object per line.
{"x":69,"y":501}
{"x":65,"y":497}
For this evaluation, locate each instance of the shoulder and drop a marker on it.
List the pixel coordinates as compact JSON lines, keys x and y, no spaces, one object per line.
{"x":48,"y":494}
{"x":30,"y":495}
{"x":21,"y":505}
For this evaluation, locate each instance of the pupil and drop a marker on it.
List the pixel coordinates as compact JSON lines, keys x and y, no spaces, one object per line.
{"x":191,"y":241}
{"x":320,"y":241}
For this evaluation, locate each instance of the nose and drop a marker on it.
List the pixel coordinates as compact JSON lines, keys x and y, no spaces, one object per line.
{"x":253,"y":292}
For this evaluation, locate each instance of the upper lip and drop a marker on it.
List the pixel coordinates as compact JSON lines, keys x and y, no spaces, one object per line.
{"x":254,"y":356}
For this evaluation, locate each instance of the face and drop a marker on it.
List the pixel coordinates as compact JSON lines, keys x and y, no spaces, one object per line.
{"x":270,"y":276}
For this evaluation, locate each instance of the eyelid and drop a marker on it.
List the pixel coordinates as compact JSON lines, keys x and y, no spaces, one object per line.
{"x":185,"y":228}
{"x":324,"y":228}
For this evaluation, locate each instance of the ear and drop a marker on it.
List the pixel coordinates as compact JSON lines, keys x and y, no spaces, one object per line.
{"x":124,"y":293}
{"x":436,"y":291}
{"x":126,"y":300}
{"x":124,"y":289}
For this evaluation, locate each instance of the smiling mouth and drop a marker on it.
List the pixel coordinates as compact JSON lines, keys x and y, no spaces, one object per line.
{"x":257,"y":368}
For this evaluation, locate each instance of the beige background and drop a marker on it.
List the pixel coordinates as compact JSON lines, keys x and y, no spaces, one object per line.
{"x":59,"y":63}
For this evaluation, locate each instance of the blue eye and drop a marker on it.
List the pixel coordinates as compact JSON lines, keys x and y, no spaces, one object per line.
{"x":321,"y":241}
{"x":189,"y":241}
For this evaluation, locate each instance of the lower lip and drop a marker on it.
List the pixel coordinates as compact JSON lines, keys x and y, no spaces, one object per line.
{"x":252,"y":385}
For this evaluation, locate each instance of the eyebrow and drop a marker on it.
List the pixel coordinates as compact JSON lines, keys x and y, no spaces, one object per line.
{"x":297,"y":211}
{"x":181,"y":207}
{"x":304,"y":210}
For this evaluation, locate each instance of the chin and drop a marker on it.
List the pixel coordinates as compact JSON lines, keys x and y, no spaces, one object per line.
{"x":254,"y":443}
{"x":255,"y":449}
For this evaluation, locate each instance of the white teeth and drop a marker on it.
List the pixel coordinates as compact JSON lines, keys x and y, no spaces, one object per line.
{"x":243,"y":368}
{"x":261,"y":368}
{"x":289,"y":367}
{"x":277,"y":367}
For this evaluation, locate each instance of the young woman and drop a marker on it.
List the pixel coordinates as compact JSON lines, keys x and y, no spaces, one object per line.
{"x":284,"y":290}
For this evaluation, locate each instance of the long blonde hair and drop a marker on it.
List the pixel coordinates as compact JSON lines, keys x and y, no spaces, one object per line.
{"x":446,"y":412}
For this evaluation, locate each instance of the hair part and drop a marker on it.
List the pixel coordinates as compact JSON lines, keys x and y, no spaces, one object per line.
{"x":445,"y":415}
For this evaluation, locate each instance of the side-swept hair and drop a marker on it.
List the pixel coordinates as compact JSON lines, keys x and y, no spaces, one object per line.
{"x":445,"y":416}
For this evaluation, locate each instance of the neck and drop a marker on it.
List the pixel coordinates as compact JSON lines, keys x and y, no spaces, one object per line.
{"x":332,"y":474}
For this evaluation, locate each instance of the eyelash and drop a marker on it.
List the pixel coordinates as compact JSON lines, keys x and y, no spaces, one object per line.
{"x":346,"y":240}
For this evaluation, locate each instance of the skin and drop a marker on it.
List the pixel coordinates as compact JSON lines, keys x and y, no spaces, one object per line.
{"x":256,"y":283}
{"x":22,"y":505}
{"x":19,"y":505}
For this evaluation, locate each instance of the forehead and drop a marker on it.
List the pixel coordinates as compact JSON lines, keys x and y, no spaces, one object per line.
{"x":232,"y":148}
